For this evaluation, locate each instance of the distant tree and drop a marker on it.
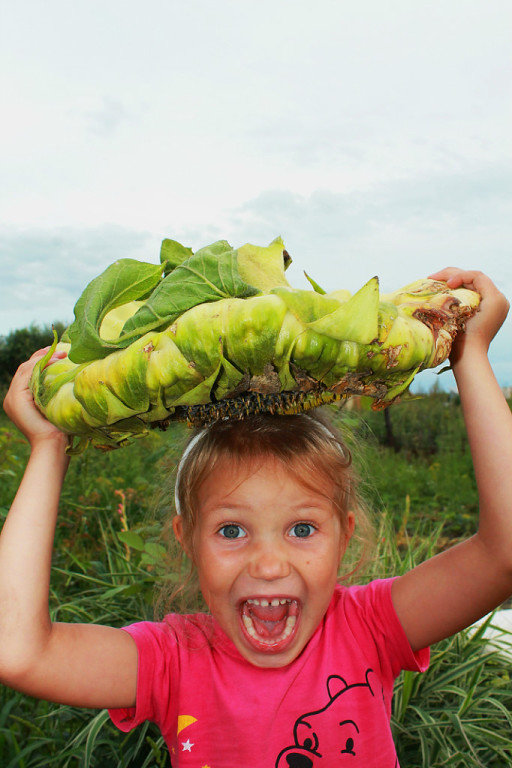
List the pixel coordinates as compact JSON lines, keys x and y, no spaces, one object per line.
{"x":18,"y":345}
{"x":390,"y":439}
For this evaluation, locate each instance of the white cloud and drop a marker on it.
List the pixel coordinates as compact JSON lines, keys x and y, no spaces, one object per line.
{"x":105,"y":117}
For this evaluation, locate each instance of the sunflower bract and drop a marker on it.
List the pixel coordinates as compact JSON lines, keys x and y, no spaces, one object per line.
{"x":221,"y":333}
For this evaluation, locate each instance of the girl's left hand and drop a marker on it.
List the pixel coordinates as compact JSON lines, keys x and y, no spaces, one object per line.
{"x":20,"y":407}
{"x":493,"y":309}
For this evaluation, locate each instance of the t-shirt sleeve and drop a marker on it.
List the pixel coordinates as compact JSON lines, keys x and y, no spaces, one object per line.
{"x":154,"y":648}
{"x":377,"y":605}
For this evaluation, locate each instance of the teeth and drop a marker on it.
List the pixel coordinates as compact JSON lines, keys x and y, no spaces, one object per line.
{"x":290,"y":624}
{"x":264,"y":602}
{"x":249,"y":627}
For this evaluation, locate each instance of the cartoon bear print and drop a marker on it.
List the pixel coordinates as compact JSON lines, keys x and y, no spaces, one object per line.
{"x":330,"y":735}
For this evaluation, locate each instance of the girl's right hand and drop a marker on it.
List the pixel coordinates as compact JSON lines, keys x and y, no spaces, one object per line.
{"x":20,"y":407}
{"x":492,"y":312}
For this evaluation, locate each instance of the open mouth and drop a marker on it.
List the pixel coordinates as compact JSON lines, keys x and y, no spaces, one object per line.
{"x":270,"y":624}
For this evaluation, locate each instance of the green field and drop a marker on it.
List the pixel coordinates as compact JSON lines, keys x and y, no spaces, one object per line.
{"x":112,"y":556}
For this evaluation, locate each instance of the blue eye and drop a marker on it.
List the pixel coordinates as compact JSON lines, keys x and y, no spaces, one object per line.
{"x":302,"y":530}
{"x":232,"y":531}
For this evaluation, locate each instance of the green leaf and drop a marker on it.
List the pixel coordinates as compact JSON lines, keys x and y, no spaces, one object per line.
{"x":124,"y":590}
{"x":37,"y":378}
{"x":264,"y":267}
{"x":356,"y":319}
{"x":172,"y":254}
{"x":154,"y":551}
{"x":95,"y":728}
{"x":132,"y":539}
{"x":314,"y":284}
{"x":209,"y":275}
{"x":306,"y":305}
{"x":125,"y":280}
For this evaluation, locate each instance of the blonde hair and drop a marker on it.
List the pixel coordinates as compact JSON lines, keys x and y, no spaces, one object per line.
{"x":310,"y":448}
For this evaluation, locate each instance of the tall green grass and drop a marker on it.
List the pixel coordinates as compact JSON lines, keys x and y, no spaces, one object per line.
{"x":459,"y":712}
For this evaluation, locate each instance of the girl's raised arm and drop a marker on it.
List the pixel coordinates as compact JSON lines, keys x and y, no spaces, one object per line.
{"x":82,"y":665}
{"x":453,"y":589}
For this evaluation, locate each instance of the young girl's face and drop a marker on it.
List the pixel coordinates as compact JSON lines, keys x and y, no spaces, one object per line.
{"x":267,"y":549}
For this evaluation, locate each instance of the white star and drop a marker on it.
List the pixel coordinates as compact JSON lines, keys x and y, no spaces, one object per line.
{"x":187,"y":745}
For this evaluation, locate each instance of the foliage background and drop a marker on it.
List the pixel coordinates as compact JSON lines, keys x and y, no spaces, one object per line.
{"x":18,"y":345}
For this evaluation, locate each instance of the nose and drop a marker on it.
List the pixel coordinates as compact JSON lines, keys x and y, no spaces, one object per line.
{"x":269,"y":562}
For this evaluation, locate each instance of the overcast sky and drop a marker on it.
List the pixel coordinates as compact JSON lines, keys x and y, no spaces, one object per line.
{"x":375,"y":137}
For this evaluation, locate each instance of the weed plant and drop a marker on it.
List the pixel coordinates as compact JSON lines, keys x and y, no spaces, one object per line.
{"x":110,"y":557}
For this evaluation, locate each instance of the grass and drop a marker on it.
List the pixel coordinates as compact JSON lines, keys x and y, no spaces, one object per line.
{"x":109,"y":558}
{"x":459,"y":712}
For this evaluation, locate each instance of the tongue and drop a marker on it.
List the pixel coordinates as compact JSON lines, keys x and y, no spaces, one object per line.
{"x":268,"y":620}
{"x":269,"y":612}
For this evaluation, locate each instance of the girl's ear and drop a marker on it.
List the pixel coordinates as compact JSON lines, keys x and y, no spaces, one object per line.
{"x":348,"y":530}
{"x":350,"y":525}
{"x":177,"y":526}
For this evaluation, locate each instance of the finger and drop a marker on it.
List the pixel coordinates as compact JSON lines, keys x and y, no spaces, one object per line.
{"x":39,"y":353}
{"x":476,"y":281}
{"x":25,"y":369}
{"x":58,"y":355}
{"x":456,"y":277}
{"x":450,"y":275}
{"x":28,"y":365}
{"x":444,"y":273}
{"x":42,"y":352}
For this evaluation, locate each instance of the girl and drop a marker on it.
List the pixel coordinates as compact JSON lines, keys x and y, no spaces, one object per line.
{"x":289,"y":668}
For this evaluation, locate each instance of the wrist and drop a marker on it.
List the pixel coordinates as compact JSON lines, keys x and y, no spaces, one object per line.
{"x":55,"y":443}
{"x":470,"y":352}
{"x":471,"y":364}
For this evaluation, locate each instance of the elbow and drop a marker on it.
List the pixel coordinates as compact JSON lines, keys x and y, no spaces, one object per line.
{"x":16,"y":669}
{"x":20,"y":662}
{"x":497,"y":563}
{"x":23,"y":645}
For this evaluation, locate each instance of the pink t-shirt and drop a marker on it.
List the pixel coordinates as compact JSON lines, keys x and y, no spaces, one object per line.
{"x":329,"y":707}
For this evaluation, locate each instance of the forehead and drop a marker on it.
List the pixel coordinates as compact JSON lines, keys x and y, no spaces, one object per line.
{"x":263,"y":473}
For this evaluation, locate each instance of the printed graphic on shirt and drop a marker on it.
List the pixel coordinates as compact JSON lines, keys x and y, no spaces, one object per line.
{"x":335,"y":734}
{"x":183,"y":722}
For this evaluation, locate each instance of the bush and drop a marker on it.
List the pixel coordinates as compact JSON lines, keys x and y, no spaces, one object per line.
{"x":19,"y":345}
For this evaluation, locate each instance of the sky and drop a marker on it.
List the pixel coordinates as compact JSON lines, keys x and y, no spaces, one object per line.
{"x":374,"y":137}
